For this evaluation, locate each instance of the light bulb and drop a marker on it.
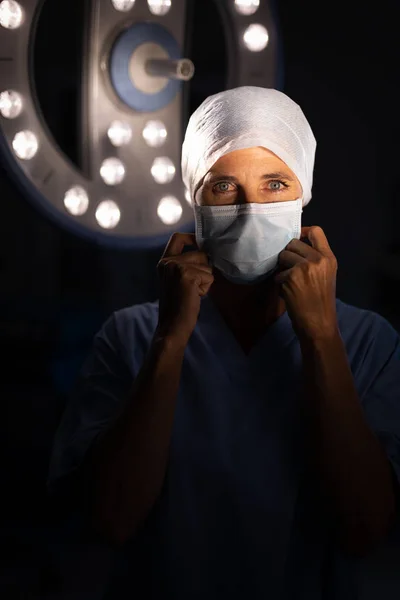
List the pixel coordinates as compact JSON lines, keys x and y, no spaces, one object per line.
{"x":163,"y":170}
{"x":108,"y":214}
{"x":159,"y":7}
{"x":119,"y":133}
{"x":169,"y":210}
{"x":112,"y":171}
{"x":247,"y":7}
{"x":155,"y":133}
{"x":123,"y":5}
{"x":10,"y":104}
{"x":256,"y":38}
{"x":25,"y":145}
{"x":76,"y":201}
{"x":11,"y":14}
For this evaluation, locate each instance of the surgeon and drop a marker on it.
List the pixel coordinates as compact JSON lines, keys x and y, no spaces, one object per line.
{"x":241,"y":436}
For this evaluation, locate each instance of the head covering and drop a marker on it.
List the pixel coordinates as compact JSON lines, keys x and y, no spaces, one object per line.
{"x":246,"y":117}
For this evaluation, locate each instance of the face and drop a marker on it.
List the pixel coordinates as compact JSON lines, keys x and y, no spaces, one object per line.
{"x":251,"y":175}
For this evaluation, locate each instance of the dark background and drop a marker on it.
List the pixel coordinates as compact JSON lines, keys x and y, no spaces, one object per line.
{"x":341,"y":64}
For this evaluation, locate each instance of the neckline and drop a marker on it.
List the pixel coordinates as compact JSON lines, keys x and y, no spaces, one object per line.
{"x":269,"y":346}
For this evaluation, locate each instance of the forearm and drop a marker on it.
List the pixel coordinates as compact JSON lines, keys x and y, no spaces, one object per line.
{"x":128,"y":464}
{"x":351,"y":464}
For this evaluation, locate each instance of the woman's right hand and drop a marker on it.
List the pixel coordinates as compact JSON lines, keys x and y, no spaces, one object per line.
{"x":184,"y":279}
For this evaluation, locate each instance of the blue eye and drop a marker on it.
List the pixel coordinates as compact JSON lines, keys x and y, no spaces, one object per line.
{"x":223,"y":190}
{"x":277,"y":185}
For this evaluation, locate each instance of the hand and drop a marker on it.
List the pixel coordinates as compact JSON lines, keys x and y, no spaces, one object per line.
{"x":184,"y":279}
{"x":308,"y":285}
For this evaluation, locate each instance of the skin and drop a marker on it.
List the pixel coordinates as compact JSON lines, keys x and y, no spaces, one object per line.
{"x":248,"y":309}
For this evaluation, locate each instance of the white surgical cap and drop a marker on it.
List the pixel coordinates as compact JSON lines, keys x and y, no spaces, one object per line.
{"x":246,"y":117}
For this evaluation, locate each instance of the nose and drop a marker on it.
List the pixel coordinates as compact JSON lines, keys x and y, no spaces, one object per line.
{"x":251,"y":196}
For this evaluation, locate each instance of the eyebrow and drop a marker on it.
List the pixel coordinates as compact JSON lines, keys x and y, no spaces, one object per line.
{"x":275,"y":175}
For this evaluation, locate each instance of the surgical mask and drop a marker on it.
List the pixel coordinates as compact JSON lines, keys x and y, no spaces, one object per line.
{"x":243,"y":241}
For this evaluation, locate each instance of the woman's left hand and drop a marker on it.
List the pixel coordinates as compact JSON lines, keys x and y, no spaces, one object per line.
{"x":308,"y":285}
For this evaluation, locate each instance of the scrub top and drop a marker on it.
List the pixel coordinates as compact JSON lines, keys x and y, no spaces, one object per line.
{"x":238,"y":516}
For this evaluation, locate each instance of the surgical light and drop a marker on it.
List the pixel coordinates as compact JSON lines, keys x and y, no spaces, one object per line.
{"x":256,"y":37}
{"x":159,"y":7}
{"x":155,"y":133}
{"x":25,"y":144}
{"x":108,"y":214}
{"x":247,"y":7}
{"x":123,"y":5}
{"x":11,"y":14}
{"x":163,"y":170}
{"x":10,"y":104}
{"x":76,"y":201}
{"x":119,"y":133}
{"x":169,"y":210}
{"x":112,"y":171}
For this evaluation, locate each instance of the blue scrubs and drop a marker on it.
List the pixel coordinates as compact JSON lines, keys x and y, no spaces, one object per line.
{"x":239,"y":515}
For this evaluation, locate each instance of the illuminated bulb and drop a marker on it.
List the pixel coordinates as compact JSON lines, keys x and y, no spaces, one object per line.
{"x":11,"y":14}
{"x":119,"y":133}
{"x":187,"y":196}
{"x":163,"y":170}
{"x":159,"y":7}
{"x":112,"y":171}
{"x":108,"y":214}
{"x":256,"y":38}
{"x":247,"y":7}
{"x":123,"y":5}
{"x":155,"y":133}
{"x":169,"y":210}
{"x":10,"y":104}
{"x":25,"y":145}
{"x":76,"y":201}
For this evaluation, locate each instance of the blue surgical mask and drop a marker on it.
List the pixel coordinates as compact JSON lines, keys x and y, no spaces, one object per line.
{"x":243,"y":241}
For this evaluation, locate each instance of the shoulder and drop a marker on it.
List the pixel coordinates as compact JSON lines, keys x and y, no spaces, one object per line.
{"x":131,"y":329}
{"x":372,"y":343}
{"x":363,"y":326}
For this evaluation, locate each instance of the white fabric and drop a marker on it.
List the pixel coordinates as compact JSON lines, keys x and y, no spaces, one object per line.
{"x":246,"y":117}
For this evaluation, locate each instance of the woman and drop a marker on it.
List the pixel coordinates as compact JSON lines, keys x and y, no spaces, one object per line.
{"x":238,"y":435}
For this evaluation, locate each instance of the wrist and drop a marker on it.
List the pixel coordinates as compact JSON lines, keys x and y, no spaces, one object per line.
{"x":170,"y":340}
{"x":324,"y":339}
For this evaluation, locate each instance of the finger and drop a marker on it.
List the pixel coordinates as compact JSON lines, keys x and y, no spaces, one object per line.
{"x":195,"y":269}
{"x":177,"y":243}
{"x":282,"y":277}
{"x":202,"y":280}
{"x":189,"y":258}
{"x":289,"y":259}
{"x":302,"y":249}
{"x":318,"y":239}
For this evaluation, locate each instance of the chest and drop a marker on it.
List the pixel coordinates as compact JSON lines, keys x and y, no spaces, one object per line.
{"x":237,"y":427}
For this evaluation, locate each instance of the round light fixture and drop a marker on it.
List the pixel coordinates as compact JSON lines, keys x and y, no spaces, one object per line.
{"x":169,"y":210}
{"x":119,"y":133}
{"x":76,"y":201}
{"x":112,"y":171}
{"x":256,"y":37}
{"x":11,"y":14}
{"x":125,"y":120}
{"x":155,"y":133}
{"x":108,"y":214}
{"x":247,"y":7}
{"x":159,"y":7}
{"x":10,"y":104}
{"x":123,"y":5}
{"x":163,"y":170}
{"x":25,"y":145}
